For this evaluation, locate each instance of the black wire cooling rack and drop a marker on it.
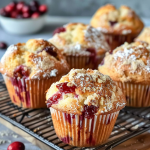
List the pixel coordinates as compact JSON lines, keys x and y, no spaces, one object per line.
{"x":38,"y":123}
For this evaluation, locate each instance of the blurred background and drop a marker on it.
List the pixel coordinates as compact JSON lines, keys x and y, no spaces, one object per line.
{"x":88,"y":7}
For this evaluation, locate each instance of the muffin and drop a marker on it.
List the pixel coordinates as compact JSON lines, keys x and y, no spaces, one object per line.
{"x":118,"y":25}
{"x":29,"y":69}
{"x":83,"y":45}
{"x":129,"y":67}
{"x":84,"y":106}
{"x":144,"y":36}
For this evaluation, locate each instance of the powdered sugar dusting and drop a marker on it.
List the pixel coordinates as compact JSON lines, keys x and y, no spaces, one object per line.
{"x":53,"y":73}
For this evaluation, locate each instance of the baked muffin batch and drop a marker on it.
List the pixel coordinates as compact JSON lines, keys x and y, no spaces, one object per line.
{"x":84,"y":103}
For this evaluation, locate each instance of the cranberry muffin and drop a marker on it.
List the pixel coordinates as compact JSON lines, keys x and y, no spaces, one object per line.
{"x":84,"y":106}
{"x":144,"y":36}
{"x":118,"y":25}
{"x":83,"y":45}
{"x":29,"y":69}
{"x":129,"y":66}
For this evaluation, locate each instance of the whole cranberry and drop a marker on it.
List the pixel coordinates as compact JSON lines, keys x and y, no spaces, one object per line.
{"x":16,"y":146}
{"x":35,"y":15}
{"x":14,"y":14}
{"x":25,"y":9}
{"x":34,"y":3}
{"x":42,"y":9}
{"x":3,"y":45}
{"x":34,"y":9}
{"x":19,"y":16}
{"x":26,"y":15}
{"x":19,"y":6}
{"x":3,"y":12}
{"x":9,"y":8}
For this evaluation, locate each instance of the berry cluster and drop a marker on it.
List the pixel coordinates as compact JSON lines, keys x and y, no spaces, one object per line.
{"x":23,"y":10}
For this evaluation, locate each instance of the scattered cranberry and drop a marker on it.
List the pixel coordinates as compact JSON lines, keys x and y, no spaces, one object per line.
{"x":112,"y":23}
{"x":54,"y":99}
{"x":35,"y":15}
{"x":63,"y":88}
{"x":16,"y":146}
{"x":26,"y":15}
{"x":58,"y":30}
{"x":21,"y":71}
{"x":50,"y":51}
{"x":3,"y":45}
{"x":43,"y":9}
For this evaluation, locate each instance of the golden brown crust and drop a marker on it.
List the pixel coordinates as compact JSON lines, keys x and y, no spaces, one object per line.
{"x":78,"y":37}
{"x":117,"y":21}
{"x":128,"y":63}
{"x":33,"y":55}
{"x":92,"y":88}
{"x":144,"y":35}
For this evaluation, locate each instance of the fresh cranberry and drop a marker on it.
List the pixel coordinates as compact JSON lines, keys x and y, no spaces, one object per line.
{"x":20,"y":6}
{"x":16,"y":146}
{"x":21,"y":71}
{"x":58,"y":30}
{"x":9,"y":8}
{"x":112,"y":23}
{"x":26,"y":15}
{"x":19,"y":16}
{"x":14,"y":14}
{"x":43,"y":9}
{"x":54,"y":99}
{"x":50,"y":51}
{"x":3,"y":12}
{"x":34,"y":3}
{"x":35,"y":15}
{"x":3,"y":45}
{"x":25,"y":9}
{"x":63,"y":88}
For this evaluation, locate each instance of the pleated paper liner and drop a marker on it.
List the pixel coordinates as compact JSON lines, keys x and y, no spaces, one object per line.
{"x":116,"y":40}
{"x":83,"y":132}
{"x":137,"y":95}
{"x":29,"y":93}
{"x":79,"y":62}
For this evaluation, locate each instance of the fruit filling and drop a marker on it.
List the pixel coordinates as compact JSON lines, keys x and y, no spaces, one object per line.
{"x":59,"y":30}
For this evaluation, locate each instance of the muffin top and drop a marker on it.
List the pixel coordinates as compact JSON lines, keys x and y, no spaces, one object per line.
{"x":117,"y":21}
{"x":77,"y":38}
{"x":144,"y":35}
{"x":84,"y":89}
{"x":34,"y":59}
{"x":128,"y":63}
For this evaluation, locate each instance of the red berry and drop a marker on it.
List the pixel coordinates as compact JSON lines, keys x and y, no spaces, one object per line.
{"x":16,"y":146}
{"x":34,"y":3}
{"x":26,"y":15}
{"x":14,"y":14}
{"x":3,"y":45}
{"x":35,"y":15}
{"x":50,"y":51}
{"x":4,"y":13}
{"x":58,"y":30}
{"x":21,"y":71}
{"x":9,"y":8}
{"x":19,"y":6}
{"x":25,"y":9}
{"x":43,"y":9}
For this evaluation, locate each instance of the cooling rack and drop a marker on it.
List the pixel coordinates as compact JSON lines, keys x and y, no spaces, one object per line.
{"x":38,"y":123}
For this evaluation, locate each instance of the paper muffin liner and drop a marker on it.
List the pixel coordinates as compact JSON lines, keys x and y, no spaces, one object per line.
{"x":137,"y":95}
{"x":116,"y":40}
{"x":28,"y":93}
{"x":83,"y":132}
{"x":79,"y":62}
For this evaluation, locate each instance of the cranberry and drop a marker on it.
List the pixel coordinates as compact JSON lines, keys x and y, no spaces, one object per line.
{"x":63,"y":88}
{"x":25,"y":9}
{"x":16,"y":146}
{"x":14,"y":14}
{"x":68,"y":117}
{"x":21,"y":71}
{"x":59,"y":30}
{"x":34,"y":3}
{"x":4,"y":13}
{"x":43,"y":9}
{"x":54,"y":99}
{"x":50,"y":51}
{"x":35,"y":15}
{"x":26,"y":15}
{"x":19,"y":16}
{"x":20,"y":6}
{"x":66,"y":139}
{"x":9,"y":8}
{"x":3,"y":45}
{"x":112,"y":23}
